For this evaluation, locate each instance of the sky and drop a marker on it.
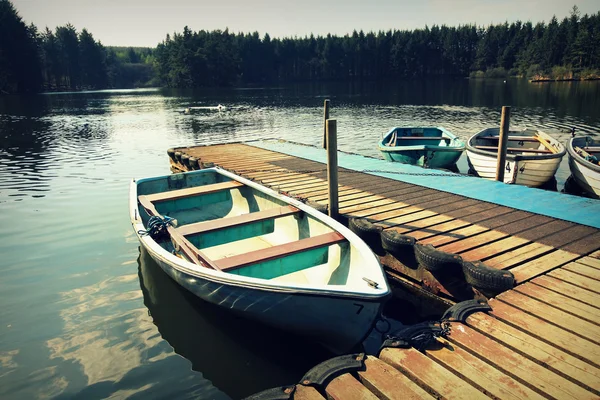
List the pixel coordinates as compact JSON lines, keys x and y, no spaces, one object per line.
{"x":146,"y":22}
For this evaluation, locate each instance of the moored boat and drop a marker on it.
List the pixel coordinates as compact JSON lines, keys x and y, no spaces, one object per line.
{"x":432,"y":147}
{"x":532,"y":156}
{"x":584,"y":163}
{"x":269,"y":257}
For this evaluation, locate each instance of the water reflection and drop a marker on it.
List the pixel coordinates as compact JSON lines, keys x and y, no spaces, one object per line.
{"x":237,"y":355}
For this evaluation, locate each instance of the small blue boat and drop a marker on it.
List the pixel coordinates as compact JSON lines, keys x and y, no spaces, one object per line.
{"x":430,"y":147}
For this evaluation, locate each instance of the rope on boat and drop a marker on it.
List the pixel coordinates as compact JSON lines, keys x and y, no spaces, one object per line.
{"x":157,"y":226}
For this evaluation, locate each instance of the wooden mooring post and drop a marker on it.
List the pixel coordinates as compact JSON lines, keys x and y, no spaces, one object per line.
{"x":332,"y":166}
{"x":502,"y":143}
{"x":325,"y":118}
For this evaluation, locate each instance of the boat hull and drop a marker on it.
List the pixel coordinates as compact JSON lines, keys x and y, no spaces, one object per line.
{"x":521,"y":168}
{"x":432,"y":158}
{"x":430,"y":147}
{"x":533,"y":173}
{"x":339,"y":323}
{"x":585,"y":174}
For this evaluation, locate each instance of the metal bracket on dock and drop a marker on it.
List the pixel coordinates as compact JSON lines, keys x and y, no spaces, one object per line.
{"x":326,"y":371}
{"x":420,"y":336}
{"x":461,"y":311}
{"x":277,"y":393}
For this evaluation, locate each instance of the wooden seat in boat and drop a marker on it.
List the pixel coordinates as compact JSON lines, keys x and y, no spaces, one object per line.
{"x":222,"y":223}
{"x":515,"y":149}
{"x":193,"y":191}
{"x":513,"y":138}
{"x":423,"y":138}
{"x":179,"y":241}
{"x":279,"y":251}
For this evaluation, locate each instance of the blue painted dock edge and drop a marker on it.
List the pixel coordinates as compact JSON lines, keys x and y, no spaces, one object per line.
{"x":570,"y":208}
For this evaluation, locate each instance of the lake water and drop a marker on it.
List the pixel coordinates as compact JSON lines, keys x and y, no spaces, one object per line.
{"x":85,"y":315}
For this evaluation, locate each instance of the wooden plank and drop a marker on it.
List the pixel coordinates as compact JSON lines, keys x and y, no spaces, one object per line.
{"x":480,"y":374}
{"x":552,"y":314}
{"x":455,"y":235}
{"x":239,"y":220}
{"x":387,"y":383}
{"x":278,"y":251}
{"x":430,"y":374}
{"x":364,"y":206}
{"x":595,"y":254}
{"x":517,"y":256}
{"x":583,"y":269}
{"x":539,"y":351}
{"x":590,"y":262}
{"x":307,"y":393}
{"x":492,"y":249}
{"x":572,"y":306}
{"x":472,"y":242}
{"x":548,"y":332}
{"x":542,"y":264}
{"x":408,"y":227}
{"x":439,"y":229}
{"x":347,"y":387}
{"x":406,"y":218}
{"x":194,"y":191}
{"x":569,"y":290}
{"x":369,"y":212}
{"x":180,"y":242}
{"x":519,"y":367}
{"x":576,"y":279}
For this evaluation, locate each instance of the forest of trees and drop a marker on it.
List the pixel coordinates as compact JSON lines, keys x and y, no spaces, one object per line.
{"x":571,"y":46}
{"x":65,"y":59}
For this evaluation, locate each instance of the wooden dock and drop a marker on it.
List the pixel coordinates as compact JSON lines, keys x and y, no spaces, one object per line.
{"x":541,"y":339}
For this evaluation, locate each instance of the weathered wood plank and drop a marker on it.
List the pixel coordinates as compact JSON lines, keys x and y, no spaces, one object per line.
{"x":420,"y":224}
{"x":590,"y":262}
{"x":439,"y":229}
{"x":517,"y":256}
{"x":455,"y":235}
{"x":388,"y":383}
{"x":516,"y":365}
{"x":583,"y":269}
{"x":576,"y":279}
{"x":543,"y":264}
{"x":430,"y":374}
{"x":575,"y":307}
{"x":541,"y":352}
{"x":552,"y":314}
{"x":479,"y":373}
{"x":543,"y":330}
{"x":492,"y":249}
{"x":567,"y":289}
{"x":307,"y":393}
{"x":472,"y":242}
{"x":347,"y":387}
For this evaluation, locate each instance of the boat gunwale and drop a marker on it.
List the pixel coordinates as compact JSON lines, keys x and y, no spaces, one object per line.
{"x":578,"y":158}
{"x":515,"y":157}
{"x":223,"y":277}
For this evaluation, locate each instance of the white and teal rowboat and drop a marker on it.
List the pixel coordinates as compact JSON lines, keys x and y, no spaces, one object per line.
{"x":269,"y":257}
{"x":432,"y":147}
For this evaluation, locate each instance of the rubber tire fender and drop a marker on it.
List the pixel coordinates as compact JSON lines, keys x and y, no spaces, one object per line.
{"x":480,"y":276}
{"x":434,"y":260}
{"x":368,"y":232}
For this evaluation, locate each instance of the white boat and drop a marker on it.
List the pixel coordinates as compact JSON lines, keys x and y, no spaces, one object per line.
{"x":584,"y":157}
{"x":532,"y":156}
{"x":269,"y":257}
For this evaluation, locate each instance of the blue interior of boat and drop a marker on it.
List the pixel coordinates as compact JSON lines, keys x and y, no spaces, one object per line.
{"x":218,"y":205}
